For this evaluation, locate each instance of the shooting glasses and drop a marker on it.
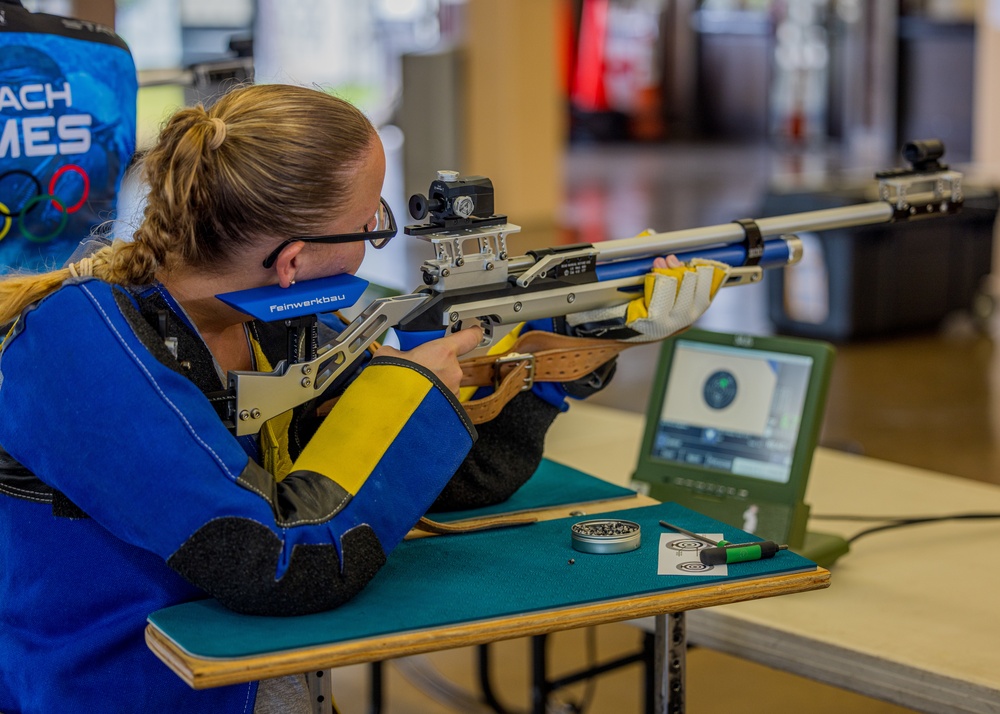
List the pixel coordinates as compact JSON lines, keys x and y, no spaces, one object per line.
{"x":379,"y":231}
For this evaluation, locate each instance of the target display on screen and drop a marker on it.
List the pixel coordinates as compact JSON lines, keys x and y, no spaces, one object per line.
{"x":720,"y":390}
{"x":732,"y":409}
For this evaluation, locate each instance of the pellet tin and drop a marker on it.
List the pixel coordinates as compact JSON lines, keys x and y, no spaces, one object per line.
{"x":606,"y":535}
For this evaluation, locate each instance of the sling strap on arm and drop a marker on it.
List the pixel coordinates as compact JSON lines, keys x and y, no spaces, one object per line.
{"x":536,"y":356}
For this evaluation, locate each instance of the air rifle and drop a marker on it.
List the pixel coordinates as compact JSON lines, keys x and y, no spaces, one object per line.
{"x":472,"y":279}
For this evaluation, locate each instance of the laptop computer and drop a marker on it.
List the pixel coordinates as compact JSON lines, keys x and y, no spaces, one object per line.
{"x":731,"y":427}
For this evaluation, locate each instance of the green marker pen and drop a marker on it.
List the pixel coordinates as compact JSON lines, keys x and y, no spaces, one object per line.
{"x":739,"y":552}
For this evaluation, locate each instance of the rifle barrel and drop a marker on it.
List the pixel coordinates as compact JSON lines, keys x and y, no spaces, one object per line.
{"x":673,"y":241}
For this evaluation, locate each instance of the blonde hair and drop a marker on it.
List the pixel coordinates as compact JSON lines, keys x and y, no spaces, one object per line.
{"x":263,"y":161}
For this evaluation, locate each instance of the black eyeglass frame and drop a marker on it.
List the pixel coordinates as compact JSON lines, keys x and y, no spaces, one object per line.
{"x":378,"y":239}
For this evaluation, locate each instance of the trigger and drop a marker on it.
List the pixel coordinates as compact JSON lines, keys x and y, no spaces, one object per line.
{"x":485,"y":323}
{"x":487,"y":326}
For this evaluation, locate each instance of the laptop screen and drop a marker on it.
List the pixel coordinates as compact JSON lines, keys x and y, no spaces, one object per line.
{"x":733,"y":410}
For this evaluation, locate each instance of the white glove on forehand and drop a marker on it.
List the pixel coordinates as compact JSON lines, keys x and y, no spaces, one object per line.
{"x":673,"y":298}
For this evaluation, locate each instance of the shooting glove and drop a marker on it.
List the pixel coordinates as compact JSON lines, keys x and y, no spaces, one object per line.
{"x":673,"y":298}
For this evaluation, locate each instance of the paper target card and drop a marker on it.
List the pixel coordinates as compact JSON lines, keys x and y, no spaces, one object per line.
{"x":678,"y":555}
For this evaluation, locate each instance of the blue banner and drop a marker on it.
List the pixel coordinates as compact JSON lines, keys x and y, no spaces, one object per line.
{"x":67,"y":133}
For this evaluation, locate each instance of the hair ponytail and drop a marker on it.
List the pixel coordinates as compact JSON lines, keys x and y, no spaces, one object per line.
{"x":19,"y":291}
{"x":121,"y":263}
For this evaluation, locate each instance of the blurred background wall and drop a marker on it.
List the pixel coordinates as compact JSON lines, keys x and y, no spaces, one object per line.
{"x":513,"y":81}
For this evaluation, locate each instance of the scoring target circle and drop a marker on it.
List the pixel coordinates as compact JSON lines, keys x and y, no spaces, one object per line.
{"x":694,"y":566}
{"x":685,"y":544}
{"x":719,"y":389}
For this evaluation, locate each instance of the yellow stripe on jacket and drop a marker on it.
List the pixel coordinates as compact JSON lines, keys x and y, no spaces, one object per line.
{"x":359,"y":430}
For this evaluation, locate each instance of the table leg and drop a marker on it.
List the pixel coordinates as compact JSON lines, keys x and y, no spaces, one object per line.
{"x":670,"y":658}
{"x":485,"y":682}
{"x":377,"y":687}
{"x":321,"y":691}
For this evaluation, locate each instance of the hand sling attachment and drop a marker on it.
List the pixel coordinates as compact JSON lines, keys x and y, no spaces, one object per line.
{"x":536,"y":356}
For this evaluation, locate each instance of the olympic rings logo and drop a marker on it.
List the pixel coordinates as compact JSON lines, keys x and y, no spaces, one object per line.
{"x":9,"y":216}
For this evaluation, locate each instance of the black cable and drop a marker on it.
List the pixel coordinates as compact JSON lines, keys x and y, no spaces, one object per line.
{"x":855,"y":517}
{"x":898,"y":522}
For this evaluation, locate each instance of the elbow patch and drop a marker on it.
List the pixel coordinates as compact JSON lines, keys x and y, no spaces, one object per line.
{"x":235,"y":560}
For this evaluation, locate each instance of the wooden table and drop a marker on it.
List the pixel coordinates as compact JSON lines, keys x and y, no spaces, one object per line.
{"x":912,"y":617}
{"x":667,"y":609}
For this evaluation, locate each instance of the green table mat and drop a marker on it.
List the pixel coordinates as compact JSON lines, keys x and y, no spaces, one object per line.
{"x":446,"y":580}
{"x":552,"y":485}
